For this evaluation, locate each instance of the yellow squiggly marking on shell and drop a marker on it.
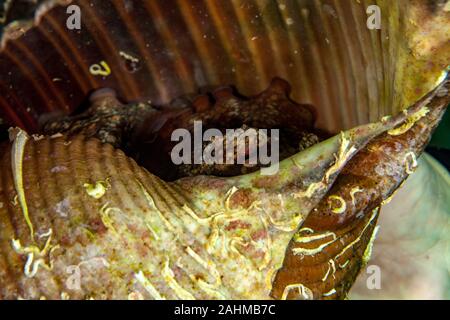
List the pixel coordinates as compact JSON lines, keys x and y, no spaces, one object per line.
{"x":306,"y":229}
{"x":101,"y":69}
{"x":36,"y":257}
{"x":374,"y":214}
{"x":20,"y":138}
{"x":305,"y":239}
{"x":410,"y":164}
{"x":409,"y":122}
{"x":97,"y":190}
{"x":207,"y":265}
{"x":208,"y":288}
{"x":354,"y":191}
{"x":15,"y":201}
{"x":152,"y":231}
{"x":202,"y":221}
{"x":313,"y":251}
{"x":106,"y":219}
{"x":286,"y":227}
{"x":142,"y":279}
{"x":331,"y":269}
{"x":345,"y":152}
{"x":341,"y":208}
{"x":312,"y":188}
{"x":304,"y":291}
{"x":368,"y":252}
{"x":128,"y":57}
{"x":169,"y":277}
{"x":330,"y":293}
{"x":153,"y":206}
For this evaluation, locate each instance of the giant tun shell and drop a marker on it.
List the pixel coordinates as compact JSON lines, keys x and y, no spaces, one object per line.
{"x":354,"y":75}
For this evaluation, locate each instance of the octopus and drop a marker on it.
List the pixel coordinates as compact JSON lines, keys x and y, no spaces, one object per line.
{"x":142,"y":130}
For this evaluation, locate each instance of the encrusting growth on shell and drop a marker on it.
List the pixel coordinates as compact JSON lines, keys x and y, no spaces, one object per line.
{"x":96,"y":190}
{"x":347,"y":238}
{"x":201,"y":237}
{"x":36,"y":257}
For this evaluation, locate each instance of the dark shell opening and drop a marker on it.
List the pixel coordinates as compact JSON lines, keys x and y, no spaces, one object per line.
{"x":145,"y":131}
